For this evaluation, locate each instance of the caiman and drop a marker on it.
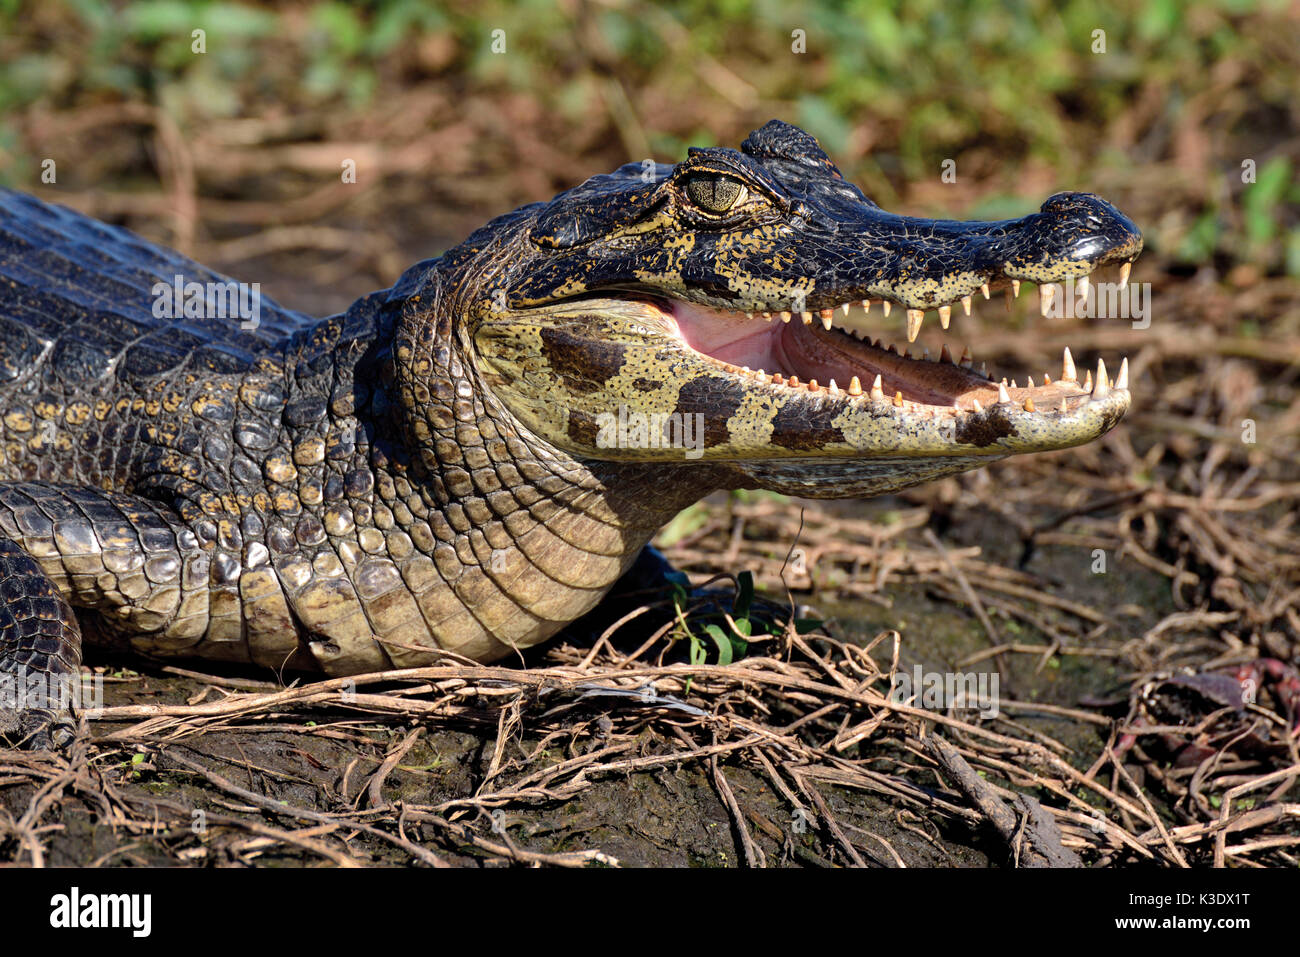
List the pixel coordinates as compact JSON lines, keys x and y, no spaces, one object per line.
{"x":462,"y":462}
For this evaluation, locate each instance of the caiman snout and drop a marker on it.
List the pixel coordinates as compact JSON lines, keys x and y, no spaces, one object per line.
{"x":1083,"y":227}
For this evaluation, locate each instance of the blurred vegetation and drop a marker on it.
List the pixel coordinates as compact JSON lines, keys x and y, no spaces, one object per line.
{"x":1017,"y":93}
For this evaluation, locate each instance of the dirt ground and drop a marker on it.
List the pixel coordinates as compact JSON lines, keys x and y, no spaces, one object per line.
{"x":322,"y":760}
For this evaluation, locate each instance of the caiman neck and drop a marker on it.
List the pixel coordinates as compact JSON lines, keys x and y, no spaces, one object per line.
{"x":499,"y":538}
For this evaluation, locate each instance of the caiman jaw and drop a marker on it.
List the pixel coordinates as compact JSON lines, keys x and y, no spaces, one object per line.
{"x":815,"y":353}
{"x":828,"y":376}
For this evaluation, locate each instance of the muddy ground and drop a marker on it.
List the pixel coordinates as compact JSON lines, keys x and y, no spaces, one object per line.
{"x":321,"y":760}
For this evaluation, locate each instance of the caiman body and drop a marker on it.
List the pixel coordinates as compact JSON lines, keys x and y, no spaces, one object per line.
{"x":462,"y":462}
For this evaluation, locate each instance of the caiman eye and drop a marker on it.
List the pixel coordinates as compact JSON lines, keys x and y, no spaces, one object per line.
{"x":714,"y":192}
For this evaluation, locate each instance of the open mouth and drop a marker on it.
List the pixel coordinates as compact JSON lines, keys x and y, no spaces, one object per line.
{"x":825,"y":352}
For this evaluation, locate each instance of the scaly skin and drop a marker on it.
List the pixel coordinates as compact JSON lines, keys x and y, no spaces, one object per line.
{"x":433,"y":469}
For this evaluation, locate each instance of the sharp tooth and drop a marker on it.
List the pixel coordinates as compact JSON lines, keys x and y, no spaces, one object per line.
{"x":965,"y":304}
{"x":1003,"y":395}
{"x":914,"y":317}
{"x":761,"y":373}
{"x":1015,"y":287}
{"x":925,"y":354}
{"x":975,"y":405}
{"x":866,"y":305}
{"x":944,"y":354}
{"x":793,"y":382}
{"x":855,"y":387}
{"x":845,"y":308}
{"x":749,"y":315}
{"x":1047,"y":379}
{"x":834,"y":389}
{"x":966,"y":358}
{"x":826,"y":320}
{"x":767,"y":316}
{"x":1121,"y":380}
{"x":1064,"y":410}
{"x":1045,"y":296}
{"x":1029,"y":405}
{"x":945,"y":316}
{"x":1068,"y":372}
{"x":898,"y":400}
{"x":813,"y":386}
{"x":1103,"y":384}
{"x":1087,"y":381}
{"x":886,"y":305}
{"x":1031,"y":382}
{"x":984,"y":290}
{"x":1123,"y":274}
{"x":1013,"y":384}
{"x":876,"y":391}
{"x":1082,"y":285}
{"x":984,"y":369}
{"x":776,"y":379}
{"x":806,"y":317}
{"x":785,"y":317}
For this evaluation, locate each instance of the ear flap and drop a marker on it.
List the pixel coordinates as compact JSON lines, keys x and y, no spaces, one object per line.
{"x":597,"y":207}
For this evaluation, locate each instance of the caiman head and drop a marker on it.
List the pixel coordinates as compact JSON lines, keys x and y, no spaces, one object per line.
{"x":710,"y":314}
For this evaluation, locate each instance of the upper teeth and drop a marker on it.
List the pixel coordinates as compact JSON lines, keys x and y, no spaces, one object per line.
{"x":916,"y":317}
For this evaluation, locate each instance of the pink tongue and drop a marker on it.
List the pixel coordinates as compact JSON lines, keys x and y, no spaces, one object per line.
{"x":754,"y":351}
{"x":728,"y":336}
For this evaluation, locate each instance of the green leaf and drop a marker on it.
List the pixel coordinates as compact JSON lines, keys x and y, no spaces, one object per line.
{"x":340,"y":23}
{"x":1261,"y":203}
{"x":684,"y":522}
{"x":698,"y":652}
{"x":744,"y":595}
{"x":722,"y":641}
{"x":162,"y":18}
{"x":1199,"y":242}
{"x":1293,"y":253}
